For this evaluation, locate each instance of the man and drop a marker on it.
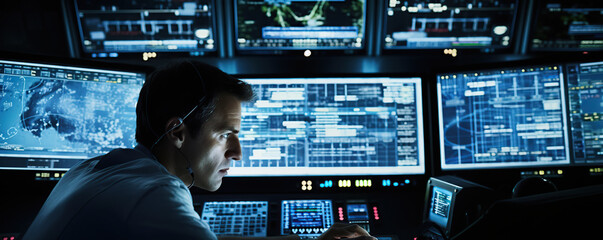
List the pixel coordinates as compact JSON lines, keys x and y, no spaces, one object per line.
{"x":188,"y":119}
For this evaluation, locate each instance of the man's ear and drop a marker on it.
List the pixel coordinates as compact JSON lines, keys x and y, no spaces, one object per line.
{"x":175,"y":131}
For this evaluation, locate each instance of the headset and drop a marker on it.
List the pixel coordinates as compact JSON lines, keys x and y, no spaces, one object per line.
{"x":180,"y":121}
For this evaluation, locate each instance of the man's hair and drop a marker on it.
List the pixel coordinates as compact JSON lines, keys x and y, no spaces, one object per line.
{"x":175,"y":90}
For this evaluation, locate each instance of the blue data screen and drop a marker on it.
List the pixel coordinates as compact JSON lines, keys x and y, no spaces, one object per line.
{"x":332,"y":126}
{"x":502,"y":118}
{"x":585,"y":88}
{"x":440,"y":205}
{"x":306,"y":217}
{"x":53,"y":116}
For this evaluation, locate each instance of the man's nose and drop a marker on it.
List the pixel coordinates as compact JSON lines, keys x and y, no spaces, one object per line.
{"x":233,"y":150}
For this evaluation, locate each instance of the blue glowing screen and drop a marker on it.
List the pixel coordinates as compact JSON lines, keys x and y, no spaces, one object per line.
{"x":332,"y":126}
{"x":502,"y":118}
{"x":53,"y":116}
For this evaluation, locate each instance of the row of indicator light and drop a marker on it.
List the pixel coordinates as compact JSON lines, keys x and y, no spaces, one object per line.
{"x":389,"y":183}
{"x":376,"y":213}
{"x":340,"y":213}
{"x":596,"y":170}
{"x":558,"y":172}
{"x":306,"y":185}
{"x":49,"y":176}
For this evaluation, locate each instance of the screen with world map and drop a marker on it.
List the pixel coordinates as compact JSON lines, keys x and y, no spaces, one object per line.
{"x":53,"y":116}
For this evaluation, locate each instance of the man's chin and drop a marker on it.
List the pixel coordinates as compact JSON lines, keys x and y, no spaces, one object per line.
{"x":214,"y":187}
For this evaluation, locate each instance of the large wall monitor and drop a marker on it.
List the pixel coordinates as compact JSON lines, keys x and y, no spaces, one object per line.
{"x":118,"y":28}
{"x":568,"y":26}
{"x":332,"y":126}
{"x":300,"y":25}
{"x":508,"y":117}
{"x":585,"y":88}
{"x":449,"y":24}
{"x":52,"y":116}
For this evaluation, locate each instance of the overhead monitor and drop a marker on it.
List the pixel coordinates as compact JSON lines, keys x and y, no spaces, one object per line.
{"x":332,"y":127}
{"x":122,"y":28}
{"x":507,"y":117}
{"x":53,"y":116}
{"x":300,"y":24}
{"x":443,"y":24}
{"x":568,"y":26}
{"x":585,"y":91}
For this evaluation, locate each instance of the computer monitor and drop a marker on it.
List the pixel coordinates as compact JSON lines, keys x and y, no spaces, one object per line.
{"x":122,"y":28}
{"x":567,"y":26}
{"x":306,"y":218}
{"x":449,"y":24}
{"x":332,"y":127}
{"x":585,"y":88}
{"x":505,"y":117}
{"x":300,"y":25}
{"x":453,"y":203}
{"x":54,"y":115}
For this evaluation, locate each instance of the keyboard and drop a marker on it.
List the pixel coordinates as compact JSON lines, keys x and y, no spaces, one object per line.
{"x":238,"y":218}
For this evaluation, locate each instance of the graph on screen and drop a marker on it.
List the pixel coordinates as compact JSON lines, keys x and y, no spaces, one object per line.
{"x":585,"y":88}
{"x":53,"y":116}
{"x":502,"y":118}
{"x":294,"y":24}
{"x":449,"y":24}
{"x":108,"y":29}
{"x":332,"y":126}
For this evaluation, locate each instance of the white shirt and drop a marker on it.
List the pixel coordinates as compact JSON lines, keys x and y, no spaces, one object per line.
{"x":125,"y":194}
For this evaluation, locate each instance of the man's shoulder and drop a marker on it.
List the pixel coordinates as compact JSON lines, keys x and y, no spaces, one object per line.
{"x":122,"y":168}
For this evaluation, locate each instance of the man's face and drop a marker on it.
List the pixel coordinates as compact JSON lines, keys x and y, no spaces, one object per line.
{"x":216,"y":145}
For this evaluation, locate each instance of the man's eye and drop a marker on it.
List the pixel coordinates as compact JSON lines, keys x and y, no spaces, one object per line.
{"x":225,"y":135}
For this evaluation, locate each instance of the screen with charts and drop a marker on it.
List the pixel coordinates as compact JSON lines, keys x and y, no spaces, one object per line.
{"x":306,"y":218}
{"x":585,"y":91}
{"x":568,"y":26}
{"x":237,"y":218}
{"x":300,"y":24}
{"x":422,"y":24}
{"x":53,"y":116}
{"x":109,"y":28}
{"x":332,"y":126}
{"x":503,"y":118}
